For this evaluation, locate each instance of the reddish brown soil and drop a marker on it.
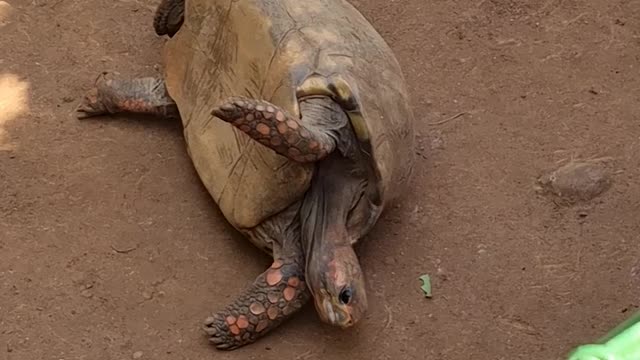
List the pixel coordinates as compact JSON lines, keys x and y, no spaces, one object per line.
{"x":111,"y":247}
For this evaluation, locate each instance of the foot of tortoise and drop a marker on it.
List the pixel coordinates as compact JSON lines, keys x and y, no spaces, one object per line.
{"x":169,"y":17}
{"x":275,"y":296}
{"x":137,"y":96}
{"x":276,"y":129}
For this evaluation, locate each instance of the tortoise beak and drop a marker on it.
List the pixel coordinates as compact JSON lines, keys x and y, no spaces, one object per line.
{"x":333,"y":313}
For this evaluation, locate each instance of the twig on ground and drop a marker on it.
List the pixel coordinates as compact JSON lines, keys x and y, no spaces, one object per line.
{"x":125,"y":251}
{"x":448,"y":119}
{"x":389,"y":316}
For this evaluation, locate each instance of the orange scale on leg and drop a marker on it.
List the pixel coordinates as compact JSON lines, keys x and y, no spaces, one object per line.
{"x":234,"y":329}
{"x":257,"y":308}
{"x":293,"y":152}
{"x":273,"y":277}
{"x":276,"y":141}
{"x":273,"y":298}
{"x":272,"y":313}
{"x":243,"y":322}
{"x":313,"y":145}
{"x":282,"y":128}
{"x":289,"y":293}
{"x":291,"y":138}
{"x":262,"y":325}
{"x":263,"y":129}
{"x":293,"y":281}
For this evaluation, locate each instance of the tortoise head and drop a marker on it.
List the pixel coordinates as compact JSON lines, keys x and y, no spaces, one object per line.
{"x":335,"y":213}
{"x":338,"y":287}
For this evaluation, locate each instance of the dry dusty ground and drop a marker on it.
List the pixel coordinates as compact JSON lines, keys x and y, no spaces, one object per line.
{"x":516,"y":276}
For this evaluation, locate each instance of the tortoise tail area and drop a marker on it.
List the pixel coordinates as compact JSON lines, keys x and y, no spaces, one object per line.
{"x":276,"y":294}
{"x":169,"y":17}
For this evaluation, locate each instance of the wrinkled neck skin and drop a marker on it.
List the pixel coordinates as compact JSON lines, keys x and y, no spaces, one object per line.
{"x":334,"y":211}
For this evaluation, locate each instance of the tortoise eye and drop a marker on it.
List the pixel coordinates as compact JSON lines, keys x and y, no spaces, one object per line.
{"x":345,"y":296}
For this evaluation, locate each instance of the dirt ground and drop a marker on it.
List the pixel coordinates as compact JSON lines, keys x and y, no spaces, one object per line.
{"x":112,"y":249}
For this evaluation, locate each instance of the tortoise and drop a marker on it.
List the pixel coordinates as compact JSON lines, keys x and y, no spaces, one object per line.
{"x":297,"y":119}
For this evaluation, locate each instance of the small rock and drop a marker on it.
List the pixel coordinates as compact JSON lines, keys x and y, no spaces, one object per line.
{"x":147,"y":295}
{"x":67,"y":99}
{"x":389,"y":260}
{"x":137,"y":355}
{"x":482,"y":248}
{"x":437,"y":142}
{"x":575,"y":181}
{"x":86,"y":293}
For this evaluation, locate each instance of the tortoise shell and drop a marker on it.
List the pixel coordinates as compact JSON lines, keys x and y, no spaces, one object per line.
{"x":279,"y":51}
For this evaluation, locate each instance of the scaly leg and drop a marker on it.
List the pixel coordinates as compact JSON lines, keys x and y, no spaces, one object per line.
{"x":303,"y":140}
{"x":274,"y":296}
{"x":141,"y":96}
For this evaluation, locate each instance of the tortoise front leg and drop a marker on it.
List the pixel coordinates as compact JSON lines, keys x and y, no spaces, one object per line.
{"x":274,"y":296}
{"x":303,"y":140}
{"x":140,"y":96}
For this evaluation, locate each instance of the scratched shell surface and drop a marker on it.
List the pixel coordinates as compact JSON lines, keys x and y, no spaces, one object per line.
{"x":265,"y":49}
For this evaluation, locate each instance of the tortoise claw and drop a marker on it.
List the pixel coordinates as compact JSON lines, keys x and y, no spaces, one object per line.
{"x":209,"y":330}
{"x":209,"y":321}
{"x":222,"y":340}
{"x":91,"y":106}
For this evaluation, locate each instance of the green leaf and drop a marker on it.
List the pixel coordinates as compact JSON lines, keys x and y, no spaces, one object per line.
{"x":426,"y":285}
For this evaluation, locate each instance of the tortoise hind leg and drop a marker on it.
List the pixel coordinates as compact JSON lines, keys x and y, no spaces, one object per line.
{"x":169,"y":17}
{"x":140,"y":96}
{"x":303,"y":140}
{"x":275,"y":295}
